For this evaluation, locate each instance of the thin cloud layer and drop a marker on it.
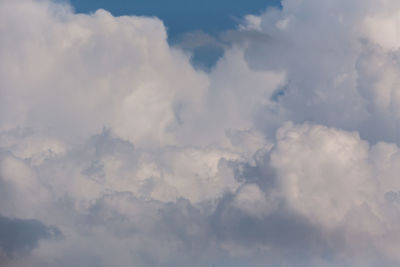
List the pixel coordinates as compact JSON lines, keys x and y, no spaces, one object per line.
{"x":284,"y":154}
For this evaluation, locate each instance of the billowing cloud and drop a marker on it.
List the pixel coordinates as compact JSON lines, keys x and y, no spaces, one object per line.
{"x":285,"y":153}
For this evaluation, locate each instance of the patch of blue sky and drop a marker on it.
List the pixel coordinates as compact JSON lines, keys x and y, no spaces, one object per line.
{"x":185,"y":16}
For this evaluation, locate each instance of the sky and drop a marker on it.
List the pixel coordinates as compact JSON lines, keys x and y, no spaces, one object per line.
{"x":271,"y":140}
{"x":182,"y":18}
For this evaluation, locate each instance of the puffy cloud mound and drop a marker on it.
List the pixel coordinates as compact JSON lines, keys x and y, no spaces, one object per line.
{"x":284,"y":154}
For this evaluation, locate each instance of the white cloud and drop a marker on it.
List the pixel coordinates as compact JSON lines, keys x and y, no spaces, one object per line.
{"x":285,"y":153}
{"x":80,"y":73}
{"x":322,"y":172}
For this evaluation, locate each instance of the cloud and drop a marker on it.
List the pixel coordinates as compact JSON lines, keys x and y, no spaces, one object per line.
{"x":285,"y":153}
{"x":19,"y":236}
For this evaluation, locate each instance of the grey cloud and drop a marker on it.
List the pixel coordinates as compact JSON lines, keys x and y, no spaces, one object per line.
{"x":201,"y":234}
{"x":20,"y":236}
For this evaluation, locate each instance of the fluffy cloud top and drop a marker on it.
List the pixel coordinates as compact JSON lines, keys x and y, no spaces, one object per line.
{"x":115,"y":151}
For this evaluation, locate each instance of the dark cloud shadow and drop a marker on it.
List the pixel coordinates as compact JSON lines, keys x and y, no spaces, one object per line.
{"x":19,"y":236}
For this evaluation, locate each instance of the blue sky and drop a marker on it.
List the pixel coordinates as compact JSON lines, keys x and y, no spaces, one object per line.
{"x":182,"y":15}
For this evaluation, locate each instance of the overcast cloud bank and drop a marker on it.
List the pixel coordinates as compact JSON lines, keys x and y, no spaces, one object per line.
{"x":116,"y":151}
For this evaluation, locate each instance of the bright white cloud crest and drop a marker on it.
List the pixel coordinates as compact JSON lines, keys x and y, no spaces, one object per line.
{"x":284,"y":154}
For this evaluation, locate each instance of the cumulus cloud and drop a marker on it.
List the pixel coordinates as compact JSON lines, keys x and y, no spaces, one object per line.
{"x":285,"y":153}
